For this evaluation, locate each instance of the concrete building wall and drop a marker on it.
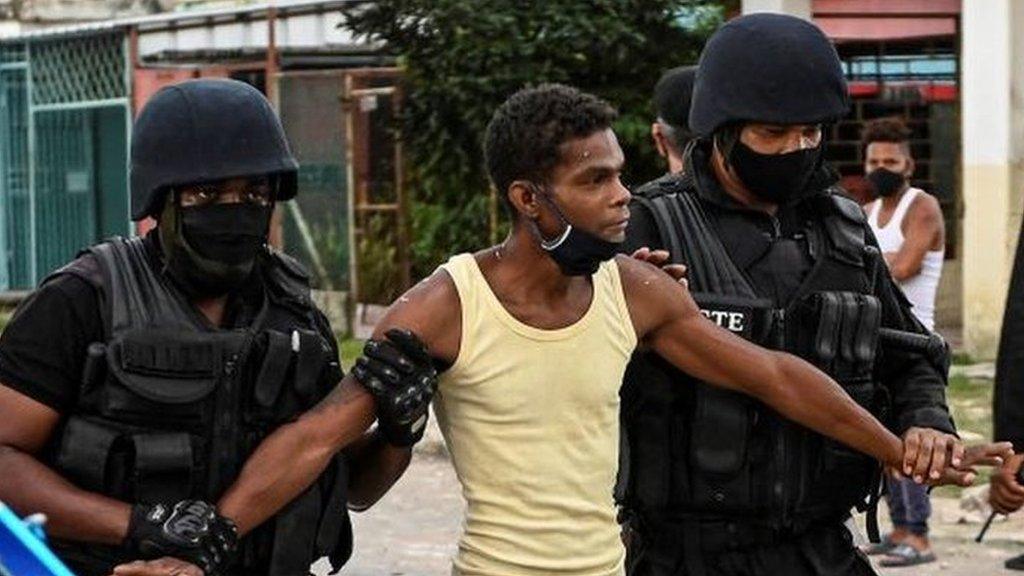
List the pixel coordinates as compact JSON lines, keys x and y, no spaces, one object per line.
{"x":993,"y":152}
{"x":31,"y":14}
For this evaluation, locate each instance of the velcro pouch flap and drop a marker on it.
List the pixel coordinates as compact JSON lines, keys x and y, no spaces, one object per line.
{"x":829,"y":322}
{"x":276,"y":361}
{"x":850,"y":303}
{"x":166,"y":367}
{"x":311,"y":358}
{"x":163,"y":465}
{"x":159,"y":453}
{"x":867,"y":330}
{"x":84,"y":449}
{"x":720,"y":430}
{"x":334,"y":520}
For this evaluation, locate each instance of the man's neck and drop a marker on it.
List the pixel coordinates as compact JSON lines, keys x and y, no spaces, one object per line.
{"x":536,"y":273}
{"x":890,"y":202}
{"x":213,"y":308}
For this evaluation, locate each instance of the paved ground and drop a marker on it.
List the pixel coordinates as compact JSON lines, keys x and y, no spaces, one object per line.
{"x":412,"y":532}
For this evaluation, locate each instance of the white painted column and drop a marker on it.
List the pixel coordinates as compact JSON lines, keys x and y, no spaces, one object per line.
{"x":799,"y":8}
{"x":992,"y":61}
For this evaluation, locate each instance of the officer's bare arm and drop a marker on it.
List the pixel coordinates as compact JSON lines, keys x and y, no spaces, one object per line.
{"x":667,"y":319}
{"x":295,"y":455}
{"x":29,"y":486}
{"x":374,"y":467}
{"x":291,"y":458}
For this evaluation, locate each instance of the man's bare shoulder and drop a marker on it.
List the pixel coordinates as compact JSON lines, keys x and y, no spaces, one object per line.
{"x":637,"y":275}
{"x":925,"y":211}
{"x":652,"y":296}
{"x":432,"y":310}
{"x":925,"y":205}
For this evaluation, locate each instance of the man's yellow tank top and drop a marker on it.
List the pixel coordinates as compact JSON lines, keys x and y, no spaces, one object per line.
{"x":531,"y":418}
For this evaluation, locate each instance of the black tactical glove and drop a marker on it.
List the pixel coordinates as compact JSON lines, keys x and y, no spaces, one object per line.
{"x":190,"y":530}
{"x":400,"y":374}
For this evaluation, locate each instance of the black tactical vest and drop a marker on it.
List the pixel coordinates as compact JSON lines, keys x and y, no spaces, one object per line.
{"x":693,"y":450}
{"x":170,"y":407}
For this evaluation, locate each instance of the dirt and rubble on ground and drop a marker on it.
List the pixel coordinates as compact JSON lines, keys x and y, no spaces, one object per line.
{"x":413,"y":531}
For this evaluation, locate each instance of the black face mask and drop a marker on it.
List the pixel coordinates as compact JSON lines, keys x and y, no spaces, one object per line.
{"x":886,"y":182}
{"x":775,"y":178}
{"x":211,"y":250}
{"x":577,"y":252}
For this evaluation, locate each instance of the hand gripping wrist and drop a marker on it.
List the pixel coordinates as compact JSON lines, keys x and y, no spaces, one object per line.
{"x":400,"y":375}
{"x":190,"y":530}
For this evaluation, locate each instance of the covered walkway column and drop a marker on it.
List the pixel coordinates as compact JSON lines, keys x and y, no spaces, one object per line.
{"x":798,"y":8}
{"x":992,"y":117}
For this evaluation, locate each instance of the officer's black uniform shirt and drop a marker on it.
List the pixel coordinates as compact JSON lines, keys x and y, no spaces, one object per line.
{"x":1008,"y":409}
{"x":43,"y":348}
{"x":773,"y":252}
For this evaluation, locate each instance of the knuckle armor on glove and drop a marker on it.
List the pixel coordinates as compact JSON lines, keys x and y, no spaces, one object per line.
{"x":399,"y":373}
{"x":191,"y":530}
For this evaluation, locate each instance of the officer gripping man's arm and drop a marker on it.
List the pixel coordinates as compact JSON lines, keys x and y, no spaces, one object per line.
{"x":136,"y":380}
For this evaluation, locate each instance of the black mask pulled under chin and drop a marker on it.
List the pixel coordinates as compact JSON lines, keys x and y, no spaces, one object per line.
{"x":775,"y":178}
{"x":577,"y":252}
{"x":211,"y":250}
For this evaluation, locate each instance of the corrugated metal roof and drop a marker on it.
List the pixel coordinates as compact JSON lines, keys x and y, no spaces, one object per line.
{"x":191,"y":18}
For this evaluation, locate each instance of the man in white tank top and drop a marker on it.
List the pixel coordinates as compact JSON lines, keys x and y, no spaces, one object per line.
{"x":911,"y":235}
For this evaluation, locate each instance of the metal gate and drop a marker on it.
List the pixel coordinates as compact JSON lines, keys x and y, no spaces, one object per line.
{"x":348,"y":223}
{"x":63,"y":150}
{"x":380,"y":268}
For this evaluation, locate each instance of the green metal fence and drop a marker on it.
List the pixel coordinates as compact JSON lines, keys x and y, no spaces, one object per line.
{"x":64,"y":122}
{"x":316,"y":223}
{"x":15,"y":215}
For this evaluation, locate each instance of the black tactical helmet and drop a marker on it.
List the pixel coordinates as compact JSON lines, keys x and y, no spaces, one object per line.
{"x":768,"y":68}
{"x":672,"y":95}
{"x":204,"y":130}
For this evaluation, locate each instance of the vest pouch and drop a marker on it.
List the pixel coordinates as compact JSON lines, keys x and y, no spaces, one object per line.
{"x":312,"y":356}
{"x":163,"y":467}
{"x":865,"y":338}
{"x":295,"y":529}
{"x":721,"y":423}
{"x":815,"y":329}
{"x":719,"y":445}
{"x":837,"y":332}
{"x":837,"y":454}
{"x":334,"y":535}
{"x":162,"y":378}
{"x":287,"y":381}
{"x":276,"y":350}
{"x":85,"y":455}
{"x":840,"y":478}
{"x":656,"y":440}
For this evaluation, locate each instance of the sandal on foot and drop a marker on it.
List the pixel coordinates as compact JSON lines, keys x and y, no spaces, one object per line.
{"x":885,"y":546}
{"x":906,"y":555}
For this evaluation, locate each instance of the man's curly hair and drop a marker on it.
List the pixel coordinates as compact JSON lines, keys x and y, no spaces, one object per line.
{"x":524,"y":135}
{"x":891,"y":129}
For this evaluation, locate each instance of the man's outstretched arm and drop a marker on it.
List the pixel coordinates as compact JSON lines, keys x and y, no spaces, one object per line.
{"x":667,"y":320}
{"x":290,"y":459}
